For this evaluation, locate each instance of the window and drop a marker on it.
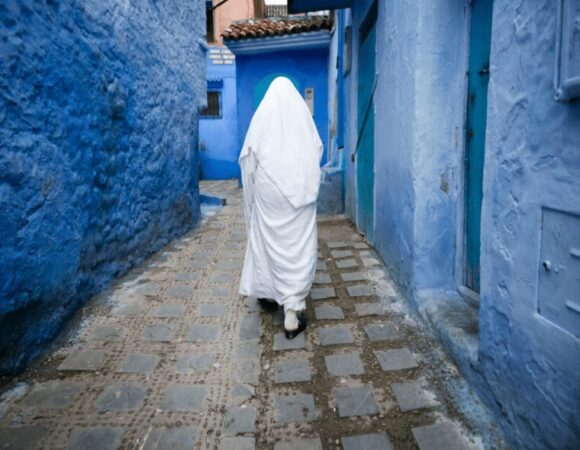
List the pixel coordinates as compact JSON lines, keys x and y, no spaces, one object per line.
{"x":209,"y":22}
{"x":213,"y":105}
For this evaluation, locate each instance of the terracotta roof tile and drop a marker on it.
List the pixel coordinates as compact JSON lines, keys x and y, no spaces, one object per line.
{"x":258,"y":28}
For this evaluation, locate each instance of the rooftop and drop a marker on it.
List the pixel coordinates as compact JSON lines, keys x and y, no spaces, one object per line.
{"x":275,"y":26}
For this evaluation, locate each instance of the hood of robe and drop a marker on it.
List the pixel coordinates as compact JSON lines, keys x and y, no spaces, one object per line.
{"x":285,"y":142}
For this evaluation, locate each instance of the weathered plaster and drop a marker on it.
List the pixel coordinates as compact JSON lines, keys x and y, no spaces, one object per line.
{"x":98,"y":130}
{"x":523,"y":366}
{"x":532,"y":161}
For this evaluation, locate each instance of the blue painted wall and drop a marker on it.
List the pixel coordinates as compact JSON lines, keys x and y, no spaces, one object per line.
{"x":331,"y":194}
{"x":532,"y":162}
{"x":417,"y":138}
{"x":98,"y":168}
{"x":307,"y":68}
{"x":218,"y":137}
{"x":525,"y":367}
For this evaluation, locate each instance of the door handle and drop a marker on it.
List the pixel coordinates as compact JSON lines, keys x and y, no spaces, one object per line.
{"x":484,"y":71}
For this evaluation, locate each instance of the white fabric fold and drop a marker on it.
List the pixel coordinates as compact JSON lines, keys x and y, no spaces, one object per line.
{"x":280,"y":164}
{"x":284,"y":139}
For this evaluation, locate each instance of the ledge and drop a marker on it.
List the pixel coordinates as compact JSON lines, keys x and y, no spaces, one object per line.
{"x":301,"y":41}
{"x":455,"y":321}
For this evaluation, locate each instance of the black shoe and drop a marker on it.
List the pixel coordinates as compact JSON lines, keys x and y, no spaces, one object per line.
{"x":301,"y":327}
{"x":268,"y":305}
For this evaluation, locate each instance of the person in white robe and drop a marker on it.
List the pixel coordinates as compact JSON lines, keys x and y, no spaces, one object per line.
{"x":280,"y":164}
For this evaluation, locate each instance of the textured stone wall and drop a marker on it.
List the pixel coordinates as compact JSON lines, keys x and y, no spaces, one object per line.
{"x":98,"y":129}
{"x":532,"y":162}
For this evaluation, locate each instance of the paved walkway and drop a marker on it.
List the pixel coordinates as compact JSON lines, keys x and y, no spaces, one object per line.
{"x":172,"y":358}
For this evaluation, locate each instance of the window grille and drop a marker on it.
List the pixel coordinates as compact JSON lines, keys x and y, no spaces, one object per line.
{"x":213,"y":105}
{"x":276,"y":10}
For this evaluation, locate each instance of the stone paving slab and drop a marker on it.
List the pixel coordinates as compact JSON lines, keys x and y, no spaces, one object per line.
{"x":240,"y":420}
{"x":374,"y":441}
{"x":170,"y":310}
{"x":344,"y":364}
{"x":295,"y":408}
{"x":247,"y":371}
{"x":335,"y":335}
{"x":140,"y":363}
{"x":281,"y":343}
{"x":95,"y":438}
{"x":122,"y":397}
{"x":26,"y":437}
{"x":194,"y":362}
{"x":237,"y":443}
{"x":322,"y":278}
{"x":183,"y":397}
{"x":336,"y":254}
{"x":133,"y":308}
{"x":172,"y":438}
{"x":396,"y":359}
{"x":322,"y":293}
{"x":111,"y":333}
{"x":203,"y":333}
{"x":360,"y":290}
{"x":321,"y":265}
{"x":337,"y":244}
{"x":149,"y":289}
{"x":292,"y":371}
{"x":346,"y":263}
{"x":248,"y":349}
{"x":299,"y":444}
{"x":352,"y":276}
{"x":180,"y":292}
{"x":370,"y":262}
{"x":413,"y":395}
{"x":220,"y":292}
{"x":355,"y":401}
{"x":249,"y":327}
{"x":159,"y":333}
{"x":369,"y":309}
{"x":52,"y":395}
{"x":212,"y":310}
{"x":381,"y":331}
{"x":328,"y":312}
{"x":84,"y":360}
{"x":443,"y":435}
{"x":222,"y":277}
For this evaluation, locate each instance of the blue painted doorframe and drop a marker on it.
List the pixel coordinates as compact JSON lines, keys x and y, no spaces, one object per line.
{"x":478,"y":80}
{"x":366,"y":124}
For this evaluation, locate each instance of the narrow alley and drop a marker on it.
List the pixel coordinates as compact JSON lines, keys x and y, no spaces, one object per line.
{"x":171,"y":357}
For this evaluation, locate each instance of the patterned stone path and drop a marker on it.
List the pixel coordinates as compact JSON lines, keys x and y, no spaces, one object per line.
{"x":172,"y":358}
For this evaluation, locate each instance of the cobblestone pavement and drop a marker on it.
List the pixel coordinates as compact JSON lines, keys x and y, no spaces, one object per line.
{"x":172,"y":358}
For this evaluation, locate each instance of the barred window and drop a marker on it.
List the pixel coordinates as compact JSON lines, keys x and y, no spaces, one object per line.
{"x":213,"y":105}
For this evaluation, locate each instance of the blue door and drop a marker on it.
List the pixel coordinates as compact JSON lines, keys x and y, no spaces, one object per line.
{"x":478,"y":79}
{"x":365,"y":149}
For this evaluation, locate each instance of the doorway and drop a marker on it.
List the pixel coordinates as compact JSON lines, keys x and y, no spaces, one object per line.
{"x":477,"y":85}
{"x":365,"y":148}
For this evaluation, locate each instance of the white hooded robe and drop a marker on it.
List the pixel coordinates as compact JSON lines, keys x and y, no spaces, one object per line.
{"x":280,"y":163}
